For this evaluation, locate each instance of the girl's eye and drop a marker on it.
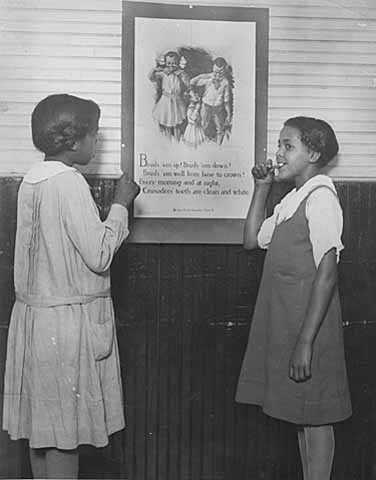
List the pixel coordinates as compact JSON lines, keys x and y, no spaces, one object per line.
{"x":288,"y":146}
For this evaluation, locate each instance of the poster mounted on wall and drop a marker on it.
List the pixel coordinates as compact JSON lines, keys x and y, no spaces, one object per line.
{"x":194,"y":117}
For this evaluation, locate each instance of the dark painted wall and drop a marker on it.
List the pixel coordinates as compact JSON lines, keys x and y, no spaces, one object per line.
{"x":183,"y":316}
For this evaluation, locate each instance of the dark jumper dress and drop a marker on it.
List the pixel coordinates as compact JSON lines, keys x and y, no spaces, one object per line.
{"x":286,"y":284}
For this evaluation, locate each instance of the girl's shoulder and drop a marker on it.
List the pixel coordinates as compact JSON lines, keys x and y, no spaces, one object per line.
{"x":318,"y":186}
{"x":323,"y":199}
{"x":68,"y":176}
{"x":69,"y":183}
{"x":323,"y":202}
{"x":322,"y":188}
{"x":45,"y":170}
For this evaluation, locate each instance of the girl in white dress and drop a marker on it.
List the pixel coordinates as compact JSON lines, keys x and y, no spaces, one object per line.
{"x":194,"y":134}
{"x":170,"y":109}
{"x":62,"y":383}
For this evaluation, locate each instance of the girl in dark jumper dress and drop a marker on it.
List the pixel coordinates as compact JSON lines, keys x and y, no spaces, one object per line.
{"x":294,"y":365}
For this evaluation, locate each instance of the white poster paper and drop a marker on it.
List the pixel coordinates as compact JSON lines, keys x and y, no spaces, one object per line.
{"x":194,"y":117}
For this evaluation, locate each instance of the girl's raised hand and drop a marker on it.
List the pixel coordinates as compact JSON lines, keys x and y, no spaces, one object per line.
{"x":126,"y":191}
{"x":263,"y":173}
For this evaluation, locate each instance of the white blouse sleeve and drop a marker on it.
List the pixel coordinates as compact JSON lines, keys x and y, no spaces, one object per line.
{"x":325,"y":223}
{"x":95,"y":240}
{"x":266,"y":231}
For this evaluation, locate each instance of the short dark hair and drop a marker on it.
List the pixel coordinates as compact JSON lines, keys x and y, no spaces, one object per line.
{"x":171,"y":53}
{"x":220,"y":62}
{"x":317,"y":135}
{"x":194,"y":89}
{"x":58,"y":121}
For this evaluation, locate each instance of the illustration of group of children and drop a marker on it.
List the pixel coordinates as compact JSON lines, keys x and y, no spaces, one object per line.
{"x":62,"y":383}
{"x":193,"y":110}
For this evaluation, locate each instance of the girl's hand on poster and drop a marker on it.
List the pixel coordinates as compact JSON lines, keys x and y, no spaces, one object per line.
{"x":126,"y":191}
{"x":300,"y":362}
{"x":263,"y":173}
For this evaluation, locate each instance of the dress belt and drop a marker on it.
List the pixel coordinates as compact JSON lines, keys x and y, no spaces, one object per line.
{"x":170,"y":94}
{"x":52,"y":301}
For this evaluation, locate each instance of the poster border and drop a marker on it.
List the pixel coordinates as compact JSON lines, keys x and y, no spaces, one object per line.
{"x":189,"y":230}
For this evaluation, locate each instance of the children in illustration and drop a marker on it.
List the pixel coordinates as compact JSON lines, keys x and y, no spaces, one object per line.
{"x":170,"y":108}
{"x":194,"y":133}
{"x":62,"y":385}
{"x":182,"y":63}
{"x":294,"y":365}
{"x":216,"y":105}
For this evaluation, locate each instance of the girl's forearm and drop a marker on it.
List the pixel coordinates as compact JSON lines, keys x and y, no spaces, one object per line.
{"x":154,"y":74}
{"x":256,"y":215}
{"x":322,"y":293}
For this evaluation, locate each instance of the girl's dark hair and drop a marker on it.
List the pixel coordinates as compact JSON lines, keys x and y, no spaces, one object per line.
{"x":194,"y":89}
{"x":58,"y":121}
{"x":220,"y":62}
{"x":171,"y":53}
{"x":317,"y":135}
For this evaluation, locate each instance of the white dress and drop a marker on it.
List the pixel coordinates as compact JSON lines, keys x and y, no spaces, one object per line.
{"x":170,"y":110}
{"x":194,"y":134}
{"x":62,"y":382}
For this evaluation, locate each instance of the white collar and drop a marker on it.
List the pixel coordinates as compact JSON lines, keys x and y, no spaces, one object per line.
{"x":44,"y":170}
{"x":290,"y":203}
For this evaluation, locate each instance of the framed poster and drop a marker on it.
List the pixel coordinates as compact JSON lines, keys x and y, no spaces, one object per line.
{"x":194,"y":117}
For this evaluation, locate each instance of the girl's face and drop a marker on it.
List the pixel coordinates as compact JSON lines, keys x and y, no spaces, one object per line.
{"x":294,"y":159}
{"x":161,"y":61}
{"x":86,"y":148}
{"x":182,"y":63}
{"x":171,"y":64}
{"x":218,"y":72}
{"x":194,"y":96}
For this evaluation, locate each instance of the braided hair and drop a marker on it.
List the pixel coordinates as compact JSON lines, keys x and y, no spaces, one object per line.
{"x":58,"y":121}
{"x":317,"y":135}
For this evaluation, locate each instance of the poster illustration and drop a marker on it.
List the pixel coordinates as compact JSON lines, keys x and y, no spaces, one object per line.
{"x":195,"y":95}
{"x":194,"y":133}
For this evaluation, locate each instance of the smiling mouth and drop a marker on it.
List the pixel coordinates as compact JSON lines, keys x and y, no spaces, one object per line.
{"x":280,"y":164}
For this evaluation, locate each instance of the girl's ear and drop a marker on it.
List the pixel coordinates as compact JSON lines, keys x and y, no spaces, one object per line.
{"x":75,"y":146}
{"x":314,"y":156}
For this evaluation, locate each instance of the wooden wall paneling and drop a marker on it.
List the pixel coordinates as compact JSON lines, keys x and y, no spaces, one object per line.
{"x":372,"y":219}
{"x":49,"y":48}
{"x":183,"y":315}
{"x":190,"y":397}
{"x":13,"y":463}
{"x":321,"y":64}
{"x":169,"y":339}
{"x":135,"y":293}
{"x":8,"y":212}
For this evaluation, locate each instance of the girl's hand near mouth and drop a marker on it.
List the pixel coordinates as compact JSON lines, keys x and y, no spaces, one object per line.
{"x":263,"y":173}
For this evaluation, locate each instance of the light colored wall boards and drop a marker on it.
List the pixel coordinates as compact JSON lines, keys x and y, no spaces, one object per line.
{"x":322,"y":63}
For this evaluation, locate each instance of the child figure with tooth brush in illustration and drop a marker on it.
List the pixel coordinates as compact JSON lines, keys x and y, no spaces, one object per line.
{"x":194,"y":134}
{"x":294,"y":365}
{"x":62,"y":384}
{"x":170,"y":109}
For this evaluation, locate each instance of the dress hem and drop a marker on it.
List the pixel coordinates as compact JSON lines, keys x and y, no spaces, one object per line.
{"x":63,"y":446}
{"x":324,"y":419}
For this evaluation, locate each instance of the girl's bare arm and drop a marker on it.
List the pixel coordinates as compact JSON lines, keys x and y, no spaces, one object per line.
{"x":321,"y":295}
{"x":263,"y":176}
